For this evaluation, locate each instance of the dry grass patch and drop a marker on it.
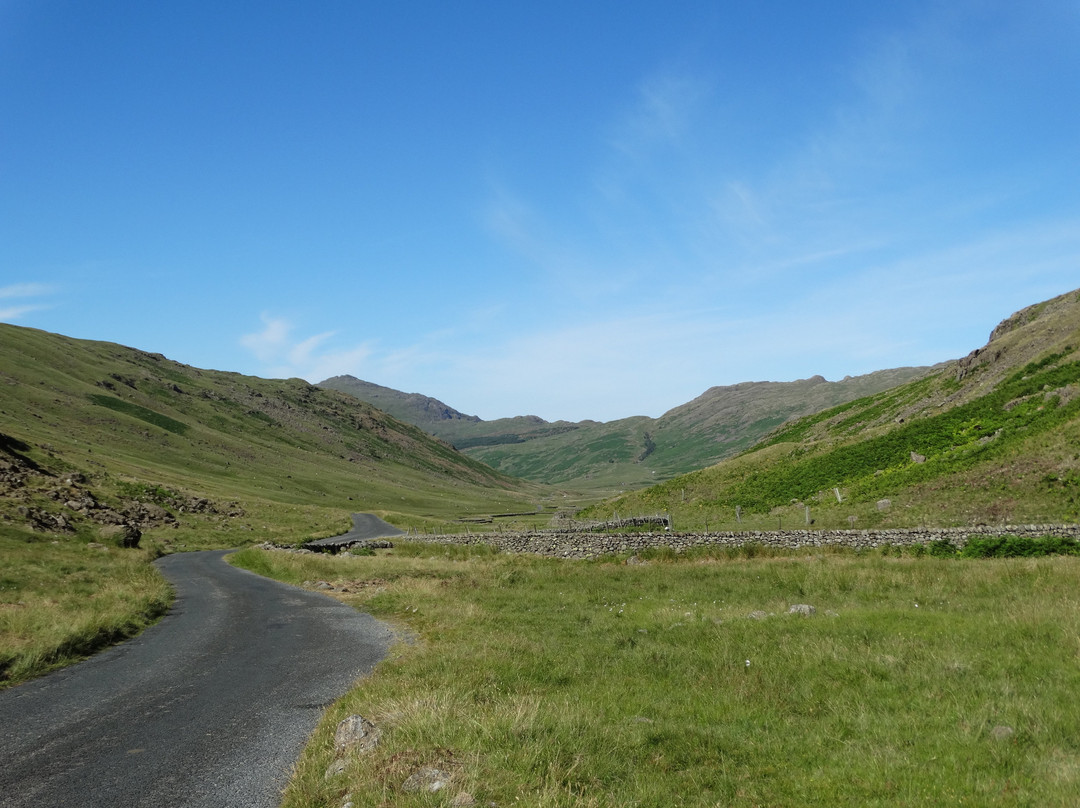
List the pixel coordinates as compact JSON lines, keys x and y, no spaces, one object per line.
{"x":62,"y":600}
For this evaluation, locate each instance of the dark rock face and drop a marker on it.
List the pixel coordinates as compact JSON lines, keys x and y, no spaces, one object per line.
{"x":121,"y":535}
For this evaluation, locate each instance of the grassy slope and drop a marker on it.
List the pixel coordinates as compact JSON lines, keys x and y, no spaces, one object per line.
{"x":998,"y":431}
{"x":278,"y":460}
{"x":118,"y":414}
{"x":630,"y":452}
{"x":539,"y":682}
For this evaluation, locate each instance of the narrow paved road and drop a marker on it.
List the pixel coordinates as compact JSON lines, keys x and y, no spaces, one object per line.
{"x":366,"y":526}
{"x":207,"y":709}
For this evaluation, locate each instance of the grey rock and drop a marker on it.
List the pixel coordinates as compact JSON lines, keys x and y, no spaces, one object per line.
{"x":429,"y":779}
{"x":356,"y":734}
{"x":803,"y":609}
{"x":121,"y":535}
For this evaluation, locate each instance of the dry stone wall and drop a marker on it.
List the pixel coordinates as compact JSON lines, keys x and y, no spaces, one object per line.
{"x":567,"y":544}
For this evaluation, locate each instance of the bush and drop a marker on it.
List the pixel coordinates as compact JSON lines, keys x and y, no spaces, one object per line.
{"x":942,"y":548}
{"x":1019,"y":547}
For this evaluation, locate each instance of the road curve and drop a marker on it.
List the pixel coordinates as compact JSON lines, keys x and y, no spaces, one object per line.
{"x":207,"y":709}
{"x":366,"y":526}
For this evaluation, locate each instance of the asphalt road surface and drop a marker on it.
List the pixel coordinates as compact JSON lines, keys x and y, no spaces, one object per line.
{"x":209,"y":708}
{"x":366,"y":526}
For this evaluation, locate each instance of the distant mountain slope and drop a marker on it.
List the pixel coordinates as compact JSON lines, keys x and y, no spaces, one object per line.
{"x":991,"y":437}
{"x":631,"y":451}
{"x":120,"y":417}
{"x":412,"y":408}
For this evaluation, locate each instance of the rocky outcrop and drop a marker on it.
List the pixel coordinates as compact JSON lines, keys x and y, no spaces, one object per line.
{"x":121,"y":535}
{"x":987,"y":355}
{"x":53,"y":503}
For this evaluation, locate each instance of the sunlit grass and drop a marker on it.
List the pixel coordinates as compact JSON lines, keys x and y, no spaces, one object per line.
{"x":62,"y":601}
{"x":555,"y":683}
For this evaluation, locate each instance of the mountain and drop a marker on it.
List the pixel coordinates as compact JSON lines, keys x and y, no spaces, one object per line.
{"x":412,"y":408}
{"x":95,"y":433}
{"x":630,"y":452}
{"x":992,"y":437}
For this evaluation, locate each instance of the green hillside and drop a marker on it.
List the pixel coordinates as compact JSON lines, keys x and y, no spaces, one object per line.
{"x":92,"y":434}
{"x":993,"y":437}
{"x":630,"y":452}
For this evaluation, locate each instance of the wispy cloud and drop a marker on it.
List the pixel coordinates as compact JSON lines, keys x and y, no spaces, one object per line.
{"x":661,"y":114}
{"x":580,"y":266}
{"x":18,"y":291}
{"x":26,"y":290}
{"x":284,"y":355}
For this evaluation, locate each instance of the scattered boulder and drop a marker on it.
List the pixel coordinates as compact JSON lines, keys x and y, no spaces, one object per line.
{"x":428,"y":778}
{"x":758,"y":615}
{"x":121,"y":535}
{"x":1001,"y":733}
{"x":884,"y":504}
{"x":802,"y":608}
{"x":917,"y":458}
{"x":356,"y":734}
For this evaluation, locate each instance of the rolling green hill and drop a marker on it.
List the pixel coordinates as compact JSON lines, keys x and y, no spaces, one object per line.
{"x":95,"y":435}
{"x":630,"y":452}
{"x":993,"y":437}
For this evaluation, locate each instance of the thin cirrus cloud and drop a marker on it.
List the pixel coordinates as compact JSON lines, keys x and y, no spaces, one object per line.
{"x":662,"y":113}
{"x":282,"y":355}
{"x":12,"y":311}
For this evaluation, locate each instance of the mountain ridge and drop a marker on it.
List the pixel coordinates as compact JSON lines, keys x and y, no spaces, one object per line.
{"x":631,"y":451}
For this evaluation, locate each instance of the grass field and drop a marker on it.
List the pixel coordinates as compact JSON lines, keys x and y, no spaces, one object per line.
{"x":918,"y":681}
{"x":59,"y":606}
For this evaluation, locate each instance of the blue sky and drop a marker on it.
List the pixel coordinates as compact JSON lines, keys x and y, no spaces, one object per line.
{"x":569,"y":209}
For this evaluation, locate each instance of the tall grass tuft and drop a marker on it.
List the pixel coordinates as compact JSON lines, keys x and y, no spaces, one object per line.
{"x":61,"y":601}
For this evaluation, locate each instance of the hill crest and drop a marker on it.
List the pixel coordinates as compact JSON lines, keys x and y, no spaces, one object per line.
{"x":634,"y":451}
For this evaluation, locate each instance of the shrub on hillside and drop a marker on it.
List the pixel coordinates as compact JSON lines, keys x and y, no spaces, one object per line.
{"x":1019,"y":547}
{"x":942,"y":548}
